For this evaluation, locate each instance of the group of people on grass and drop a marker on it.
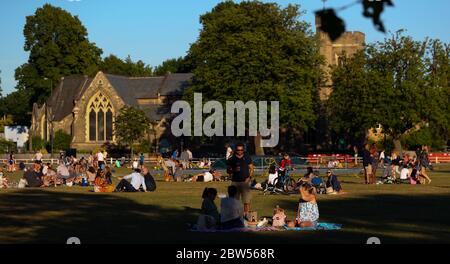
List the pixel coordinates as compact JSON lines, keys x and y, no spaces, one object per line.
{"x":91,"y":171}
{"x":331,"y":186}
{"x":235,"y":209}
{"x":397,"y":168}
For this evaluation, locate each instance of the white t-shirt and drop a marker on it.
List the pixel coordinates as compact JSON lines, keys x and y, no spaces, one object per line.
{"x":382,"y":155}
{"x":404,"y":174}
{"x":137,"y":180}
{"x":272,"y":177}
{"x":230,"y":209}
{"x":229,"y":152}
{"x":45,"y":170}
{"x":135,"y":164}
{"x":208,"y":177}
{"x":100,"y":157}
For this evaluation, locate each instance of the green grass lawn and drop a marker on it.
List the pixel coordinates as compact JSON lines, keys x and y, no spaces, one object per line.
{"x":394,"y":213}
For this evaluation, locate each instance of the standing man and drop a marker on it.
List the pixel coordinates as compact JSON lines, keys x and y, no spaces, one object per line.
{"x":240,"y":168}
{"x":190,"y":157}
{"x":367,"y":163}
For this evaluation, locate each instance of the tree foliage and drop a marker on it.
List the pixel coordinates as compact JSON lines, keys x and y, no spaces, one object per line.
{"x":399,"y":83}
{"x":260,"y":52}
{"x":62,"y":140}
{"x":114,"y":65}
{"x":176,"y":65}
{"x":58,"y":46}
{"x":16,"y":105}
{"x":131,"y":124}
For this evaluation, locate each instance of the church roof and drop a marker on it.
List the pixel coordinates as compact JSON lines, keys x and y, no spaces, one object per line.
{"x":69,"y":89}
{"x":128,"y":88}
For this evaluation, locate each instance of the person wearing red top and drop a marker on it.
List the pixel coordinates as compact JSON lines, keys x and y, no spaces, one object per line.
{"x":285,"y":162}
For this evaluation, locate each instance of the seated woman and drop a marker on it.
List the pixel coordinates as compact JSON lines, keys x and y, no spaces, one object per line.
{"x":308,"y":211}
{"x":333,"y":183}
{"x":50,"y":177}
{"x":108,"y":175}
{"x":209,"y":217}
{"x":91,"y":174}
{"x":207,"y":176}
{"x":405,"y":175}
{"x":272,"y":175}
{"x":101,"y":184}
{"x":231,"y":210}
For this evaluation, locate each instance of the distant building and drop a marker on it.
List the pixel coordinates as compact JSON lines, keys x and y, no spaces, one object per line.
{"x":85,"y":107}
{"x":348,"y":44}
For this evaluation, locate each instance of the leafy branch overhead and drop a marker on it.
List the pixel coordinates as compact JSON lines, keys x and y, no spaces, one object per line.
{"x":334,"y":26}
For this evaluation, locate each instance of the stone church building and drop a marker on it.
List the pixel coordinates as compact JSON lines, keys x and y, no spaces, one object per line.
{"x":85,"y":107}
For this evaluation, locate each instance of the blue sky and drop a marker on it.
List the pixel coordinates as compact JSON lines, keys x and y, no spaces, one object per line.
{"x":155,"y":30}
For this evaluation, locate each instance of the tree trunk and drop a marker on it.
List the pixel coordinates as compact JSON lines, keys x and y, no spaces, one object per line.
{"x":398,"y":147}
{"x":259,"y":150}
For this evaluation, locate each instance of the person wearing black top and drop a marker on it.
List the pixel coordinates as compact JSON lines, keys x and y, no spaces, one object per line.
{"x":34,"y":176}
{"x":149,"y":180}
{"x":240,"y":168}
{"x":367,"y":163}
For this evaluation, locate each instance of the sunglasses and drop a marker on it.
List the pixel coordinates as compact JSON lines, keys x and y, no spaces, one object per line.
{"x":239,"y":150}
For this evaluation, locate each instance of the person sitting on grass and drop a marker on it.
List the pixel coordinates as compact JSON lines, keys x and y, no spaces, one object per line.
{"x":210,"y":214}
{"x":108,"y":175}
{"x":149,"y":180}
{"x":404,"y":174}
{"x":231,"y":210}
{"x":33,"y":176}
{"x":101,"y":183}
{"x":137,"y":180}
{"x":91,"y":174}
{"x":207,"y":176}
{"x":308,"y":211}
{"x":333,"y":183}
{"x":3,"y":180}
{"x":272,"y":175}
{"x":50,"y":177}
{"x":62,"y":171}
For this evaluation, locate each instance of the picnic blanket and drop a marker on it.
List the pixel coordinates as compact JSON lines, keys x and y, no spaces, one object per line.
{"x":319,"y":226}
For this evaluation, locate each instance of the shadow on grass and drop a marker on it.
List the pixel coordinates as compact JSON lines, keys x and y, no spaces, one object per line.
{"x":40,"y":216}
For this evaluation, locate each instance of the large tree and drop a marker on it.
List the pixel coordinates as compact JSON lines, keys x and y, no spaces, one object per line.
{"x":131,"y":124}
{"x":58,"y":46}
{"x":399,"y":83}
{"x":351,"y":106}
{"x":114,"y":65}
{"x":260,"y":52}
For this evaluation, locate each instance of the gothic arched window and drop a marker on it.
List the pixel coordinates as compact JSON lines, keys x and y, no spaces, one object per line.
{"x":100,"y":118}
